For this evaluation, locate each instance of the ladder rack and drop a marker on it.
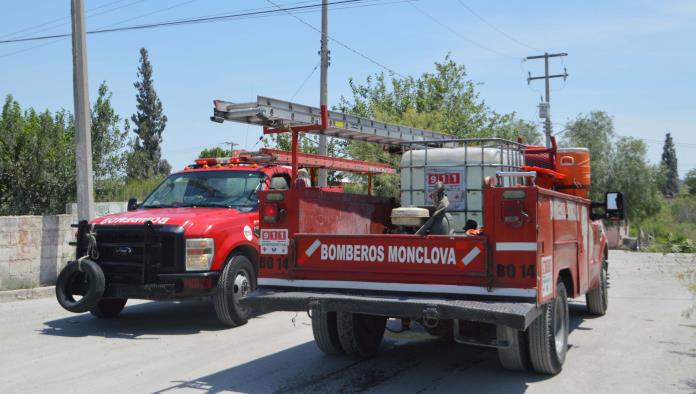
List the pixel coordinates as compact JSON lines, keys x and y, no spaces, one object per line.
{"x":282,"y":116}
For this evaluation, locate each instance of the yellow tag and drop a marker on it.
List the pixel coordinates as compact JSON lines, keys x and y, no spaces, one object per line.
{"x":339,"y":123}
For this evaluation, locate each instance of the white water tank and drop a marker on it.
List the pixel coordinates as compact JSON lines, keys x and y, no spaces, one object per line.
{"x":462,"y":170}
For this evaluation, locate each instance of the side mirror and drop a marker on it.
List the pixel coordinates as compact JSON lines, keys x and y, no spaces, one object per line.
{"x":132,"y":204}
{"x":614,"y":206}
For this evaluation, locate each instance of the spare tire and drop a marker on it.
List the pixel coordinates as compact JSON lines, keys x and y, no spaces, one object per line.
{"x":84,"y":279}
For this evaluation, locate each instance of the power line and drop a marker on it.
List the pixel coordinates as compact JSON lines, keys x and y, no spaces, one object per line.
{"x":373,"y":61}
{"x":456,"y":33}
{"x":482,"y":19}
{"x":182,"y":22}
{"x":53,"y":21}
{"x":304,"y":82}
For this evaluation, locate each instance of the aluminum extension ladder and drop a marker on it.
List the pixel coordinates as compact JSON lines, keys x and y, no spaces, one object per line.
{"x":279,"y":114}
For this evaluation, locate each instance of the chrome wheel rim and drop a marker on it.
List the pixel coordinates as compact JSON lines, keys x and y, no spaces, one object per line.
{"x":242,"y":287}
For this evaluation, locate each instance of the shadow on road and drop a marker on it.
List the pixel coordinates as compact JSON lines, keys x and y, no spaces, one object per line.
{"x":146,"y":319}
{"x":423,"y":364}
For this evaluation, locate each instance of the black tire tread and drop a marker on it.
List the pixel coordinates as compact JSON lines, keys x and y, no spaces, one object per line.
{"x":594,"y":299}
{"x":221,"y":299}
{"x":325,"y":330}
{"x":109,"y":307}
{"x":516,"y":357}
{"x":97,"y":284}
{"x":352,"y":343}
{"x":541,"y":337}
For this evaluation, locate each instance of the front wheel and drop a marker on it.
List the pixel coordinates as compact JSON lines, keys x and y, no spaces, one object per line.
{"x":109,"y":307}
{"x":548,"y":334}
{"x":598,"y":299}
{"x":236,"y":281}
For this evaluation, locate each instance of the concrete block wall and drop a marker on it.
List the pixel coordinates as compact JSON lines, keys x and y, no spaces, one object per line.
{"x":33,"y":249}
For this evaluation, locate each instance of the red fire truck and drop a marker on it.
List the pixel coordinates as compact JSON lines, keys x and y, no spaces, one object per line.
{"x":195,"y":235}
{"x":484,"y":248}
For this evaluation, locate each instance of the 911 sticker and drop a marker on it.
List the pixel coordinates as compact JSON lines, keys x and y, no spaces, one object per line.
{"x":274,"y":241}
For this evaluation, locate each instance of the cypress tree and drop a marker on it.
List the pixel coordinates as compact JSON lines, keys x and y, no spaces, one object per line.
{"x":149,"y":122}
{"x":670,"y":187}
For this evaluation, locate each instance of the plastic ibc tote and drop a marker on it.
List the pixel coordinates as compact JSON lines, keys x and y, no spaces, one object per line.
{"x":574,"y":163}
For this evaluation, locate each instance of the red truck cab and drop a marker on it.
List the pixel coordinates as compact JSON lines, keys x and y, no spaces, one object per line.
{"x":195,"y":235}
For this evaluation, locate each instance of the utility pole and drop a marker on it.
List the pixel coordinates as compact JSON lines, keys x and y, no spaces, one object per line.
{"x":323,"y":93}
{"x":231,"y":144}
{"x":83,"y":140}
{"x":545,"y":107}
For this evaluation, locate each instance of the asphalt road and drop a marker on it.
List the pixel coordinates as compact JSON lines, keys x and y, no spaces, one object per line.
{"x":644,"y":344}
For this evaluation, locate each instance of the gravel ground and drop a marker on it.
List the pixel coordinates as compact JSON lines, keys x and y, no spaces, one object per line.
{"x":645,"y":343}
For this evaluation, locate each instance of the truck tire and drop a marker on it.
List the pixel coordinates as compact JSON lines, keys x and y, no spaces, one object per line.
{"x":325,"y":330}
{"x":108,"y":307}
{"x":237,"y":280}
{"x":516,"y":356}
{"x":360,"y":335}
{"x":598,"y":299}
{"x":85,"y":279}
{"x":548,"y":334}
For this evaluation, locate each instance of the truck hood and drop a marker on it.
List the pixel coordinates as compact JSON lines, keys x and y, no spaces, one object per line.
{"x":198,"y":220}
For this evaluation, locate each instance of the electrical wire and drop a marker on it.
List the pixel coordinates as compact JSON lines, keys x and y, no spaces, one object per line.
{"x":456,"y":33}
{"x":305,"y":81}
{"x":355,"y":51}
{"x":53,"y":21}
{"x":179,"y":22}
{"x":508,"y":36}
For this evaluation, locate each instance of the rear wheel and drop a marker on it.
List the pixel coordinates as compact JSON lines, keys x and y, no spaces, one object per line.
{"x":548,"y":334}
{"x":325,"y":330}
{"x":108,"y":307}
{"x":515,"y":357}
{"x":598,"y":299}
{"x":236,"y":281}
{"x":360,"y":335}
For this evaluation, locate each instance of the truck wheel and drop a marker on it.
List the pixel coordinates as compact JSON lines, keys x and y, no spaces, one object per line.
{"x":598,"y":299}
{"x":84,"y":280}
{"x":108,"y":307}
{"x":236,"y":281}
{"x":548,"y":334}
{"x":360,"y":335}
{"x":516,"y":356}
{"x":325,"y":330}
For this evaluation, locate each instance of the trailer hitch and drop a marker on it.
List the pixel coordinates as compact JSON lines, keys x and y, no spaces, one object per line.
{"x":431,"y":317}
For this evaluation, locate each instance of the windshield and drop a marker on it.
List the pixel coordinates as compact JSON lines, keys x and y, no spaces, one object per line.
{"x":227,"y":189}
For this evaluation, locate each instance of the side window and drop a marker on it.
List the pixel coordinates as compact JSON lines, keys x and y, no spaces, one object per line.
{"x":280,"y":181}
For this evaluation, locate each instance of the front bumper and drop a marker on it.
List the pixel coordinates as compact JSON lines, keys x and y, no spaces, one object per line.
{"x":515,"y":314}
{"x":167,"y":287}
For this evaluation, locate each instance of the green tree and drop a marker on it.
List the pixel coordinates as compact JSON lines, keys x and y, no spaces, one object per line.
{"x":690,"y":181}
{"x":109,"y":143}
{"x":444,"y":100}
{"x":37,"y":160}
{"x":215,"y":152}
{"x":595,"y":132}
{"x":670,"y":187}
{"x":631,"y":174}
{"x":149,"y":122}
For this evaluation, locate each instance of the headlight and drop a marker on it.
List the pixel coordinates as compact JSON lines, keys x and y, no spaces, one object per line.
{"x":199,"y":254}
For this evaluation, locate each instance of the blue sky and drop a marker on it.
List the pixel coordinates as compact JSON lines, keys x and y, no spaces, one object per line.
{"x":633,"y":59}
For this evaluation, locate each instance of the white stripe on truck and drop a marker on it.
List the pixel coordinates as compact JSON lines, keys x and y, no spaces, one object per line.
{"x":388,"y":286}
{"x":515,"y":246}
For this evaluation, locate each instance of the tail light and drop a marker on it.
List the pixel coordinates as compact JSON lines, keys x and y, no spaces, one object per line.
{"x":270,"y":213}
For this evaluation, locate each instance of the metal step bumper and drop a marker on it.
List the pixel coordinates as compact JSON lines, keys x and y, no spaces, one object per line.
{"x":514,"y":314}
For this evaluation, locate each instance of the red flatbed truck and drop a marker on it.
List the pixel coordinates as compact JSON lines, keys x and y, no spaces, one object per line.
{"x":194,"y":236}
{"x":505,"y":284}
